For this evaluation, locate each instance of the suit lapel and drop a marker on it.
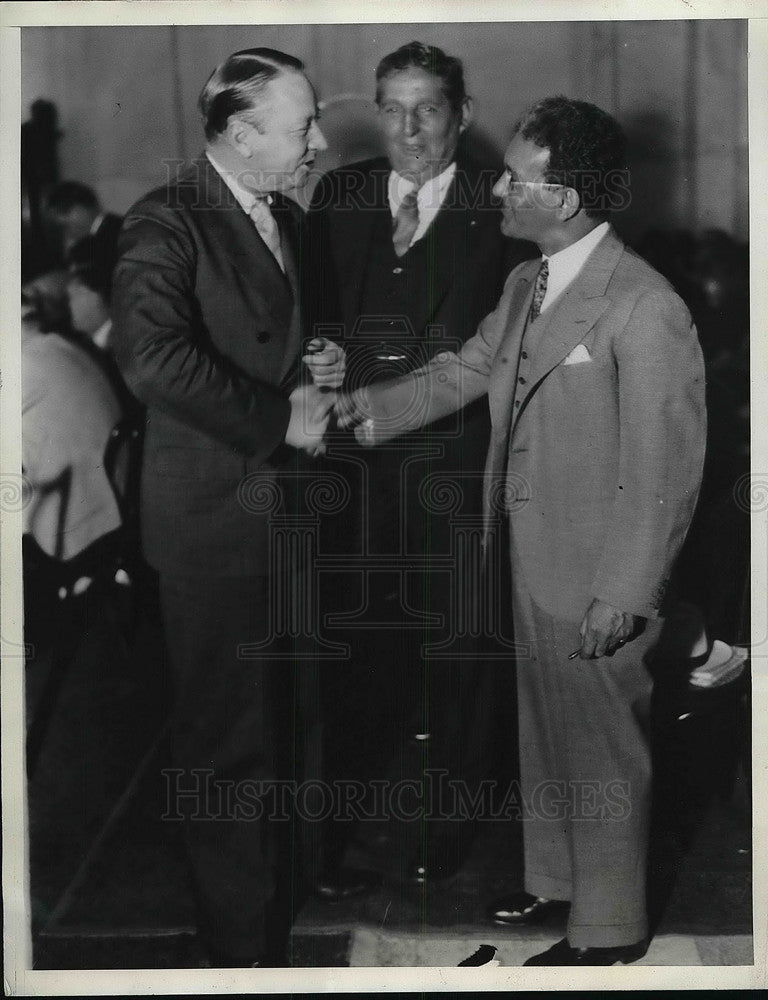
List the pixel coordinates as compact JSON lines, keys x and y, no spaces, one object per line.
{"x":501,"y":390}
{"x":240,"y":240}
{"x":449,"y":237}
{"x":573,"y":316}
{"x":355,"y":244}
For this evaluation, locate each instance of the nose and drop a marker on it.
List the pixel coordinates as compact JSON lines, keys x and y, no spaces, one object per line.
{"x":317,"y":139}
{"x":500,"y":187}
{"x":410,"y":123}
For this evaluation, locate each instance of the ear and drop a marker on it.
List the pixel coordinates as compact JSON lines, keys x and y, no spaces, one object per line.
{"x":467,"y":112}
{"x":571,"y":203}
{"x":237,"y":132}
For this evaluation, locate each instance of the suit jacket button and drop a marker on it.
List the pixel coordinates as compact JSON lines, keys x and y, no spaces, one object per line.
{"x":263,"y":337}
{"x":397,"y":270}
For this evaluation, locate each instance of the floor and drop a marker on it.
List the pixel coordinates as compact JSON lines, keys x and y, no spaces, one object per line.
{"x":109,"y":884}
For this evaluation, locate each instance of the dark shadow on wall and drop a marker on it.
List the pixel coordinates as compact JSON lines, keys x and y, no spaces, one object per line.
{"x":656,"y":173}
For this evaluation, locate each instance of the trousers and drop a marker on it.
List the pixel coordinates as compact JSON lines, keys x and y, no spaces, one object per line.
{"x":242,"y":726}
{"x":585,"y":772}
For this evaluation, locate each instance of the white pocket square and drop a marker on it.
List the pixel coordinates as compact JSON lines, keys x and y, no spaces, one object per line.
{"x":578,"y":356}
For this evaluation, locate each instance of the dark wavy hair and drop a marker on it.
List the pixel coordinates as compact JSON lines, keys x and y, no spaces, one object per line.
{"x":448,"y":69}
{"x":236,"y":85}
{"x":587,"y":150}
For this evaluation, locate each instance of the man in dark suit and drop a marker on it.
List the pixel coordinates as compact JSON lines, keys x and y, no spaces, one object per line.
{"x":407,"y":257}
{"x":207,"y":331}
{"x":76,"y":211}
{"x":595,"y":386}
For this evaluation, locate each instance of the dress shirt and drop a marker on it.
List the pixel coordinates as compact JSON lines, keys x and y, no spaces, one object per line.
{"x":429,"y":199}
{"x":566,"y":264}
{"x":96,"y":223}
{"x":246,"y":199}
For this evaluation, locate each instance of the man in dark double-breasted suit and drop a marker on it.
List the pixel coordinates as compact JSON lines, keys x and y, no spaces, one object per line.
{"x":407,"y":256}
{"x":207,"y":332}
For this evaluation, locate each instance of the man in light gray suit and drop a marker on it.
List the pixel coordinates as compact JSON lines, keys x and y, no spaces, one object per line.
{"x":596,"y":392}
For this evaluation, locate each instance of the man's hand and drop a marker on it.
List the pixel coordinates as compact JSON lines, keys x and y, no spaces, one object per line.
{"x":351,"y":415}
{"x":604,"y":629}
{"x":326,"y":362}
{"x":348,"y":413}
{"x":310,"y":411}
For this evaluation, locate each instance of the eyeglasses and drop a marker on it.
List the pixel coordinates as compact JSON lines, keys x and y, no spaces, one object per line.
{"x":515,"y":185}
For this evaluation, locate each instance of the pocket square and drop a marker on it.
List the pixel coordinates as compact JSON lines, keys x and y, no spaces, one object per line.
{"x":578,"y":356}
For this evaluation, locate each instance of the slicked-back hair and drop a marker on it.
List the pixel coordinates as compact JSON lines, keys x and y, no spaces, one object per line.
{"x":235,"y":87}
{"x":587,"y":150}
{"x":448,"y":69}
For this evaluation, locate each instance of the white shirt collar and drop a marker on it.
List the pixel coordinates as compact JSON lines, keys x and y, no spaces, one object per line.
{"x":101,"y":336}
{"x":246,"y":199}
{"x":566,"y":264}
{"x":429,"y":199}
{"x":96,"y":223}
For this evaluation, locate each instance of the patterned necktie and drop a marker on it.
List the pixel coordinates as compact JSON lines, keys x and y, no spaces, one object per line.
{"x":262,"y":218}
{"x":540,"y":289}
{"x":406,"y":222}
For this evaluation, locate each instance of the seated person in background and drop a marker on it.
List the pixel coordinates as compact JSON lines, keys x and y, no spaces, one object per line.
{"x":68,"y":411}
{"x":89,"y":290}
{"x":47,"y":293}
{"x":75,"y":210}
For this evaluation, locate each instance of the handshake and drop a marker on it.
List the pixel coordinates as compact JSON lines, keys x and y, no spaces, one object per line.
{"x":312,"y":405}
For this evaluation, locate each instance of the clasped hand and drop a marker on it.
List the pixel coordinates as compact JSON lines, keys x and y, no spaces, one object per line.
{"x":310,"y":412}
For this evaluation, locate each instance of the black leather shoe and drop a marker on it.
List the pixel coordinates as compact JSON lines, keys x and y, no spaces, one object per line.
{"x":563,"y":954}
{"x":346,"y":883}
{"x":523,"y":908}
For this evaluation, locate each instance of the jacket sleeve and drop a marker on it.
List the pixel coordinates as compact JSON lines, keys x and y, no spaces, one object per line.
{"x":446,"y":384}
{"x":164,"y":350}
{"x":662,"y":431}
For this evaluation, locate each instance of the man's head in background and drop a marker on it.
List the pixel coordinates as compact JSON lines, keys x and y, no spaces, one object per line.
{"x":260,"y":116}
{"x":88,"y":288}
{"x":423,"y":109}
{"x":74,"y":208}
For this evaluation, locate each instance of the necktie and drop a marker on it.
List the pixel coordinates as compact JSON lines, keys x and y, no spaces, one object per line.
{"x":540,"y":289}
{"x":262,"y":218}
{"x":406,"y":222}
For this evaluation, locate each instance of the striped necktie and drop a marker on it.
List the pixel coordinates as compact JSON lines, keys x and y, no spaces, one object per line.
{"x":539,"y":290}
{"x":406,"y":222}
{"x":262,"y":218}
